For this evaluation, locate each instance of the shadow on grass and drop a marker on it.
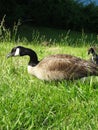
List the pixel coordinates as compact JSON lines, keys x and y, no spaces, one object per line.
{"x":41,"y":34}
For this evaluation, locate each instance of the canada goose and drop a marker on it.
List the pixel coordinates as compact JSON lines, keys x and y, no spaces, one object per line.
{"x":56,"y":67}
{"x":94,"y":58}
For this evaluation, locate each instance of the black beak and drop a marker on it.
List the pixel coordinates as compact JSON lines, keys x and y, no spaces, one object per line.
{"x":9,"y":55}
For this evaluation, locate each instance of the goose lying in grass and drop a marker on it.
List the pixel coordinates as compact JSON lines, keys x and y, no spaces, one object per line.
{"x":56,"y":67}
{"x":94,"y":58}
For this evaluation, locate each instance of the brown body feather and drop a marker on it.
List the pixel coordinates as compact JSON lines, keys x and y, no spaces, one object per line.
{"x":62,"y":66}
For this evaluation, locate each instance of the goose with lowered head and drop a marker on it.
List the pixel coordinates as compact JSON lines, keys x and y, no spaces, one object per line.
{"x":56,"y":67}
{"x":94,"y":57}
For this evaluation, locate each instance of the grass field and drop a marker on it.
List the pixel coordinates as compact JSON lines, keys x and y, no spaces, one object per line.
{"x":27,"y":103}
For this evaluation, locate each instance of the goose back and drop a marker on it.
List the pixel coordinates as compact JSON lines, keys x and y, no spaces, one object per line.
{"x":61,"y":66}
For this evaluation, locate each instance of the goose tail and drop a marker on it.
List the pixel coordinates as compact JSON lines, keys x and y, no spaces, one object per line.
{"x":92,"y":69}
{"x":84,"y":69}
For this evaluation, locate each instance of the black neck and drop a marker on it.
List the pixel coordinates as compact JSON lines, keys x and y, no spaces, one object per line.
{"x":32,"y":61}
{"x":94,"y":54}
{"x":33,"y":57}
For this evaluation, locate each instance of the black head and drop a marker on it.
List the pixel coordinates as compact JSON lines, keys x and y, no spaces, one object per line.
{"x":17,"y":51}
{"x":22,"y":51}
{"x":91,"y":51}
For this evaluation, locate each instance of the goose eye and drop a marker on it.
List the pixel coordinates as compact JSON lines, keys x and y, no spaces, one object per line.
{"x":13,"y":50}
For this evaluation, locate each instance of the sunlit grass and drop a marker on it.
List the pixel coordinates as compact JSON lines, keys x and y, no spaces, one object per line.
{"x":28,"y":103}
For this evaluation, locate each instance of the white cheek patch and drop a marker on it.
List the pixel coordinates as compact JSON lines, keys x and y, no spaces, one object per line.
{"x":17,"y":52}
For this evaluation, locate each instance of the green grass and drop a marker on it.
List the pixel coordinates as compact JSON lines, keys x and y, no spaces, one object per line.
{"x":56,"y":36}
{"x":27,"y":103}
